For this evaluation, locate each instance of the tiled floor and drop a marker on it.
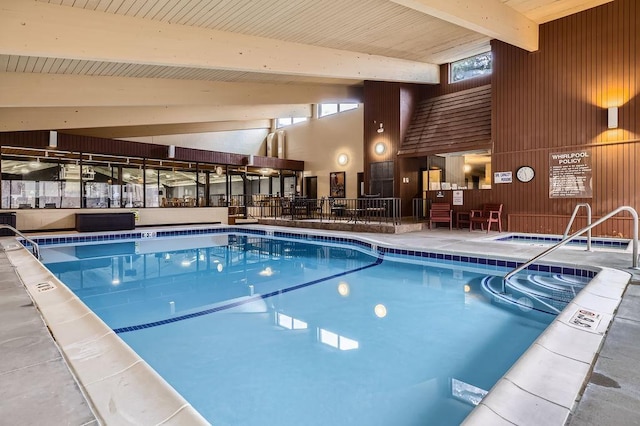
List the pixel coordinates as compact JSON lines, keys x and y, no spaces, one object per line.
{"x":37,"y":386}
{"x":35,"y":375}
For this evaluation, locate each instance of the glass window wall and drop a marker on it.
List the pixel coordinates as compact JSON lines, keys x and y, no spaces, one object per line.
{"x":218,"y":187}
{"x":34,"y":178}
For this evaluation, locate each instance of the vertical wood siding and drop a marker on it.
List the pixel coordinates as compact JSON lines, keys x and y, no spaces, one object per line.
{"x":556,"y":100}
{"x":32,"y":139}
{"x":393,"y":105}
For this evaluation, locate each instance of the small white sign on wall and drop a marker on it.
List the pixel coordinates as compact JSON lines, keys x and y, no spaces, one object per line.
{"x":457,"y":198}
{"x":502,"y":177}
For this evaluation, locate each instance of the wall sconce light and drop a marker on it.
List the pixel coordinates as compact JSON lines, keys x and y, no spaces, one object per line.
{"x":343,"y":159}
{"x":380,"y":129}
{"x":612,"y":117}
{"x":380,"y":148}
{"x":405,"y":180}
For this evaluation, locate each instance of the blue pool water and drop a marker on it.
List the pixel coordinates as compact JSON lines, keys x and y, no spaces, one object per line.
{"x":272,"y":331}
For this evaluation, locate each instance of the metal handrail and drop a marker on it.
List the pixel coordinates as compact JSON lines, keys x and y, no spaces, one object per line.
{"x":35,"y":247}
{"x":573,"y":217}
{"x":634,"y":263}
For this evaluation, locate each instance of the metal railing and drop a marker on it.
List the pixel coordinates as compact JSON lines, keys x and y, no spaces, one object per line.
{"x":634,"y":262}
{"x":35,"y":248}
{"x":419,"y":208}
{"x":354,"y":210}
{"x":573,"y":217}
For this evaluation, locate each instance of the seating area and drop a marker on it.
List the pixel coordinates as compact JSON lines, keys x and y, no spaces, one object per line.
{"x":302,"y":208}
{"x":490,"y":213}
{"x":487,"y":215}
{"x":365,"y":210}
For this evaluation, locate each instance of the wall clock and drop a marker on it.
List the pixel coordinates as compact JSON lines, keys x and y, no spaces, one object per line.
{"x":525,"y":173}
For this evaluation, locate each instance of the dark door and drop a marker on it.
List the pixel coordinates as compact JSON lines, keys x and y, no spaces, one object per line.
{"x":360,"y":177}
{"x":311,"y":187}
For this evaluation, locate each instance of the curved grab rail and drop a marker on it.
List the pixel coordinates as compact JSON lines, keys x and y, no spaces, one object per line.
{"x":634,"y":263}
{"x":35,"y":247}
{"x":573,"y":217}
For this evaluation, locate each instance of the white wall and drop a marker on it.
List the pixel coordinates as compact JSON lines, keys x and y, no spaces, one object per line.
{"x":250,"y":141}
{"x":319,"y":141}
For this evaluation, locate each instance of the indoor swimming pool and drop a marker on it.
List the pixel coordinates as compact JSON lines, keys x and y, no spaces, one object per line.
{"x":285,"y":329}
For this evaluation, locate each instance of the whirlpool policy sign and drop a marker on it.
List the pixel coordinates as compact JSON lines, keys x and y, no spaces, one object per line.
{"x":570,"y":174}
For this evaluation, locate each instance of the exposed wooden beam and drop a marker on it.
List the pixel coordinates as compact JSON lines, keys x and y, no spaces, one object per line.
{"x":32,"y":28}
{"x":13,"y":119}
{"x":56,"y":90}
{"x":170,"y":129}
{"x":489,"y":17}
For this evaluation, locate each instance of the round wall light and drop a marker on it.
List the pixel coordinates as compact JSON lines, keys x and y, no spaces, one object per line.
{"x":343,"y":159}
{"x":380,"y":148}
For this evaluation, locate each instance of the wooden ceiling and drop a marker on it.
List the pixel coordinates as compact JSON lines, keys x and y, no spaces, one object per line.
{"x":94,"y":54}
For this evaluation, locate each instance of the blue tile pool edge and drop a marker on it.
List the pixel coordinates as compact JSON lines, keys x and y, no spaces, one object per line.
{"x":436,"y":256}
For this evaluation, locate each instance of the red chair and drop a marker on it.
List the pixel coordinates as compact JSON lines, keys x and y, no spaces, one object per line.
{"x":490,"y":213}
{"x":440,"y":213}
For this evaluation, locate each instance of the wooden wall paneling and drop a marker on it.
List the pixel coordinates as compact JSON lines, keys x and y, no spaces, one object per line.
{"x":381,"y":105}
{"x":555,"y":100}
{"x":394,"y":104}
{"x":278,"y":163}
{"x":90,"y":144}
{"x":30,"y":139}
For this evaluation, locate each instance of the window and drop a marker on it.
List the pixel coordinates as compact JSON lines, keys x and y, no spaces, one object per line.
{"x":329,"y":109}
{"x":218,"y":187}
{"x":287,"y":121}
{"x":458,"y":170}
{"x":467,"y":68}
{"x":37,"y":179}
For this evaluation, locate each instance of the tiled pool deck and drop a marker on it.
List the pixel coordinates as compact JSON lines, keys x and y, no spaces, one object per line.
{"x":38,"y":387}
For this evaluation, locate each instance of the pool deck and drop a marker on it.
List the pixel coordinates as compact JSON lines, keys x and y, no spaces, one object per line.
{"x":40,"y":388}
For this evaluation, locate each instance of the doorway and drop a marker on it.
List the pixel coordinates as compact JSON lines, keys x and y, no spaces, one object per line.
{"x":311,"y":187}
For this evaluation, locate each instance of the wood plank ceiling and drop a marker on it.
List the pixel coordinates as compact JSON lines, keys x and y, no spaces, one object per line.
{"x":359,"y":29}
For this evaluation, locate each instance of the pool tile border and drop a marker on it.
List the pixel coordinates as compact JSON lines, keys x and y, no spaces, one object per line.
{"x":382,"y":250}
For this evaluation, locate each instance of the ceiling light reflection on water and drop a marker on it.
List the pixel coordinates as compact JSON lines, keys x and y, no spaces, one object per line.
{"x":245,"y":316}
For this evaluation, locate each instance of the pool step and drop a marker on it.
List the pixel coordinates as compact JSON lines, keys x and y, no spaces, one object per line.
{"x":545,"y":293}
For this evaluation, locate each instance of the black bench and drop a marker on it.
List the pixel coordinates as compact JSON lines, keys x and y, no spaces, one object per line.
{"x":92,"y":222}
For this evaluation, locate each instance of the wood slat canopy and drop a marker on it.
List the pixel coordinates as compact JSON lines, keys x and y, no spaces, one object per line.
{"x":454,"y":122}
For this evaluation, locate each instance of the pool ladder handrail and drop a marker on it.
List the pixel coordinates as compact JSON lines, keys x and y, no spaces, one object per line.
{"x":35,"y":248}
{"x":573,"y":217}
{"x":634,"y":262}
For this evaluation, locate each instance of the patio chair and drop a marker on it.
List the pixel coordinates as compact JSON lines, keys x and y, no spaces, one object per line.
{"x":440,"y":213}
{"x":490,"y":213}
